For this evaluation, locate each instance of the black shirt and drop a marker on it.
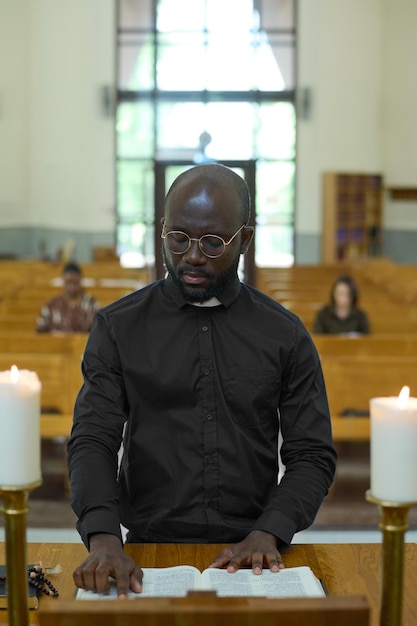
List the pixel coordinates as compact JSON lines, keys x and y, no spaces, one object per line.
{"x":328,"y":323}
{"x":203,"y":392}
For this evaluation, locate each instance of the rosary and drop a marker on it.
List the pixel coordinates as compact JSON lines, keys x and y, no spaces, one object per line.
{"x":38,"y":579}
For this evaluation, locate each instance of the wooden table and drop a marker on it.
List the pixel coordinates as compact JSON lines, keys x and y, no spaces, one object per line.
{"x":346,"y":569}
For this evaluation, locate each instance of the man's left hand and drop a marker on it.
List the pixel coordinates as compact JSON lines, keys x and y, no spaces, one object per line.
{"x":258,"y":549}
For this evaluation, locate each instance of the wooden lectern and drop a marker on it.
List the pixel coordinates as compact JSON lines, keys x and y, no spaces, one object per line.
{"x":205,"y":608}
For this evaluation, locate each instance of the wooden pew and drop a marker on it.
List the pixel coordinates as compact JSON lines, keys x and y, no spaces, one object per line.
{"x":33,"y":298}
{"x":396,"y":344}
{"x":55,"y":358}
{"x":350,"y":358}
{"x":35,"y":271}
{"x":397,"y":280}
{"x":305,"y":289}
{"x":54,"y":372}
{"x":43,"y":293}
{"x":27,"y":302}
{"x":56,"y":426}
{"x":351,"y":381}
{"x":17,"y":322}
{"x":384,"y":318}
{"x":70,"y":343}
{"x":299,"y":276}
{"x":355,"y":429}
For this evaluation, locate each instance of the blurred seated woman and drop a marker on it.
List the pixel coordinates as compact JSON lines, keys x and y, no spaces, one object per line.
{"x":342,"y":316}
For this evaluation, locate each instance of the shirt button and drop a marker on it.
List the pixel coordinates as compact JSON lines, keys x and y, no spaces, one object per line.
{"x":210,"y":460}
{"x":204,"y":329}
{"x":206,"y":372}
{"x":209,"y":416}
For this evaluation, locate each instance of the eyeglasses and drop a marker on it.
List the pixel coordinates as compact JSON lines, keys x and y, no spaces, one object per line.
{"x":211,"y":246}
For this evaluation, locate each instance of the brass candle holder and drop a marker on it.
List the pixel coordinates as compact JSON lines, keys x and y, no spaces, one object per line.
{"x":15,"y":508}
{"x":394,"y":523}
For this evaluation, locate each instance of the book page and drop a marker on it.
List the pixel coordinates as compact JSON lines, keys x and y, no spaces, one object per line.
{"x":157,"y":581}
{"x":287,"y":583}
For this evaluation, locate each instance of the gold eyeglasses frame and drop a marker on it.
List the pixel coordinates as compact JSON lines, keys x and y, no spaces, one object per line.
{"x":164,"y":235}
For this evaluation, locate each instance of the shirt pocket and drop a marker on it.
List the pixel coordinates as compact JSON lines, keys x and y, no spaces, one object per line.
{"x":252,"y":396}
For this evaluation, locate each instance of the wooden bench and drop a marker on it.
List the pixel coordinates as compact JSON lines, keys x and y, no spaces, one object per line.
{"x":39,"y":295}
{"x":55,"y":358}
{"x":358,"y":368}
{"x":398,"y":344}
{"x":71,"y":343}
{"x":54,"y":372}
{"x":384,"y":318}
{"x":305,"y":289}
{"x":17,"y":322}
{"x":397,"y":280}
{"x":351,"y":381}
{"x":56,"y":426}
{"x":300,"y":276}
{"x":27,"y":303}
{"x":35,"y":271}
{"x":351,"y":428}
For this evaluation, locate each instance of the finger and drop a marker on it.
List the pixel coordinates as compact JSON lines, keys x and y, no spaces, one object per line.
{"x":135,"y":580}
{"x":122,"y":578}
{"x":89,"y":576}
{"x":274,"y":561}
{"x":78,"y":578}
{"x":257,"y":562}
{"x":102,"y":573}
{"x":222,"y":558}
{"x":241,"y":559}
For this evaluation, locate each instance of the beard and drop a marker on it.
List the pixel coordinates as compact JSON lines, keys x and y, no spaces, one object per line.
{"x":193,"y":294}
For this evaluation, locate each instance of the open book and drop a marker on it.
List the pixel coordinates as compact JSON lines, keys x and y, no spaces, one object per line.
{"x":177,"y":581}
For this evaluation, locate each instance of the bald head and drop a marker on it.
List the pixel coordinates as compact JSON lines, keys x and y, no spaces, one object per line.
{"x":213,"y":176}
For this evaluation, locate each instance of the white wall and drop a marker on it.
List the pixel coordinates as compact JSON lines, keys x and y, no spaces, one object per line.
{"x":358,"y":58}
{"x":339,"y":60}
{"x":14,"y":112}
{"x":72,"y":155}
{"x":57,"y":147}
{"x":55,"y":139}
{"x":399,"y":123}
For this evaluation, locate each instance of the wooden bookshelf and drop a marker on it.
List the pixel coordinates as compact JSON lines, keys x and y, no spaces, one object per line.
{"x":352,"y":216}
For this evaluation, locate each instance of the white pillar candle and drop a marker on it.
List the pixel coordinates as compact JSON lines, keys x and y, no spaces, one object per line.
{"x":19,"y":428}
{"x":394,"y":448}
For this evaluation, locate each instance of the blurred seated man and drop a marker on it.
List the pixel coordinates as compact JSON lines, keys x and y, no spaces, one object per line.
{"x":342,"y":316}
{"x":73,"y":311}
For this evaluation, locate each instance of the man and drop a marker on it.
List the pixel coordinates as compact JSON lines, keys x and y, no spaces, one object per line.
{"x":202,"y":372}
{"x":73,"y":311}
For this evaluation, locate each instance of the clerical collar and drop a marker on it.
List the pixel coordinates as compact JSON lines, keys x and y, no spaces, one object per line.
{"x":228,"y":294}
{"x":212,"y":302}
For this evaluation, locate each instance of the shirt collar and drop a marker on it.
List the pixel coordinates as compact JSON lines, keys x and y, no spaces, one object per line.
{"x":207,"y":303}
{"x":228,"y":294}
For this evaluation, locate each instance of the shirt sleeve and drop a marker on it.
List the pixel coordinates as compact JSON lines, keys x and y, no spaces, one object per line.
{"x":307,"y":449}
{"x":318,"y":326}
{"x":44,"y":320}
{"x":364,"y":324}
{"x":101,"y":410}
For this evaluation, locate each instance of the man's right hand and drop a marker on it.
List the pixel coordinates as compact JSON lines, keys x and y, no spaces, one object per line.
{"x":106,"y":559}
